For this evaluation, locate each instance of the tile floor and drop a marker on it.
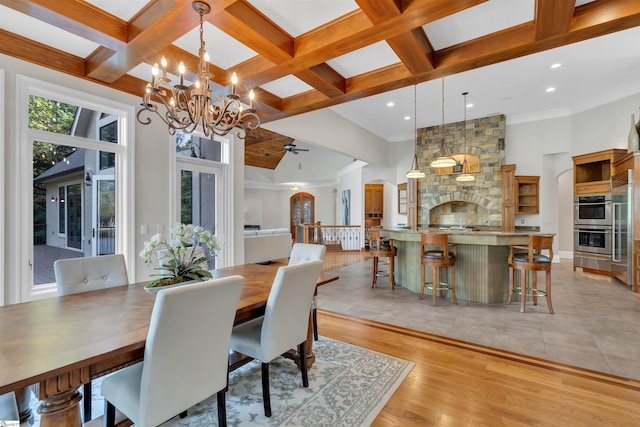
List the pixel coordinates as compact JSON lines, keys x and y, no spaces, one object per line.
{"x":596,"y":324}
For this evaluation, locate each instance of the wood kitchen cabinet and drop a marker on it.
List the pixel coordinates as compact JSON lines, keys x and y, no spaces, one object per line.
{"x":527,"y":194}
{"x":373,"y":200}
{"x":591,"y":172}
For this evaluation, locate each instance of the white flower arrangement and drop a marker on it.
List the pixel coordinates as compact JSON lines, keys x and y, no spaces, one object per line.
{"x":184,"y":262}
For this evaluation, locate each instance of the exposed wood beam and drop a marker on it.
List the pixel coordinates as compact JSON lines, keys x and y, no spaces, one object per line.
{"x":352,"y":32}
{"x":325,"y":79}
{"x":606,"y":17}
{"x":553,"y":17}
{"x":79,"y":18}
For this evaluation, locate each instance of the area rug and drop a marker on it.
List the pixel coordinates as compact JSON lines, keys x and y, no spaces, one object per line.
{"x":348,"y":386}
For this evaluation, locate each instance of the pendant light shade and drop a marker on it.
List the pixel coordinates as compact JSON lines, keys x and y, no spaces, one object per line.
{"x":443,"y":160}
{"x":465,"y":176}
{"x":415,"y":171}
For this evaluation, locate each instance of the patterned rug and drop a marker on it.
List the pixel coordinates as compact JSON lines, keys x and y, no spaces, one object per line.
{"x":348,"y":386}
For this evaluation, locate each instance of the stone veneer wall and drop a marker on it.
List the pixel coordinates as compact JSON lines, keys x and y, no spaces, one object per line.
{"x":485,"y":139}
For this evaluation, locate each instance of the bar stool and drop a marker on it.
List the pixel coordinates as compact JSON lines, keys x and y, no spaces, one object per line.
{"x":532,"y":260}
{"x":381,"y":248}
{"x":436,"y":259}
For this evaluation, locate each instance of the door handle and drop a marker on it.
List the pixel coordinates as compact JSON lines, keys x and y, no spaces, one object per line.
{"x":93,"y":233}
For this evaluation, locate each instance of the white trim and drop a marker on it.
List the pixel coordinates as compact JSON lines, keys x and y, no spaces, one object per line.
{"x":125,"y":178}
{"x":2,"y":192}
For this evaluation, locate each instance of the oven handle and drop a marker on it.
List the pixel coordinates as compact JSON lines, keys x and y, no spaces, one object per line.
{"x":615,"y":239}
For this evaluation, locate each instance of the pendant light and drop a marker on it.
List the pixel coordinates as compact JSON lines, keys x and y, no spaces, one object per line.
{"x":415,"y":171}
{"x":443,"y":161}
{"x":465,"y":176}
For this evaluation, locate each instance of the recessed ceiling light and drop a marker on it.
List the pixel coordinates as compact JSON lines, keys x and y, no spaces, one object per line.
{"x":556,"y":65}
{"x":469,"y":105}
{"x":407,"y":117}
{"x":551,"y":89}
{"x":390,"y":104}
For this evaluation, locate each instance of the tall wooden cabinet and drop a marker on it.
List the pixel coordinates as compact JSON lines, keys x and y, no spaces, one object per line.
{"x":591,"y":172}
{"x":373,"y":208}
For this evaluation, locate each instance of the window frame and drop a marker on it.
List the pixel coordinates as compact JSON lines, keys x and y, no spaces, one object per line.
{"x":125,"y":178}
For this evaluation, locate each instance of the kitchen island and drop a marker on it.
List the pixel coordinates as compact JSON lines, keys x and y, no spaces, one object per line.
{"x":482,"y":272}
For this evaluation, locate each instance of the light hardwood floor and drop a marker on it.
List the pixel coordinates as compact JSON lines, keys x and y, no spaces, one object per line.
{"x":455,"y":383}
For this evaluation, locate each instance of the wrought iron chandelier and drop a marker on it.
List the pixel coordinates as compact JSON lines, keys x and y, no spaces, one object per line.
{"x":443,"y":160}
{"x":186,"y":107}
{"x":465,"y":176}
{"x":415,"y":171}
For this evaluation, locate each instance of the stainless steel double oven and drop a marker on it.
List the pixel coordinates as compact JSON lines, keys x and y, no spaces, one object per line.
{"x":593,"y":220}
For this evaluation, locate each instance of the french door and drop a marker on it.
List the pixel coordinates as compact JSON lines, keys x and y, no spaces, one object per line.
{"x":201,"y":200}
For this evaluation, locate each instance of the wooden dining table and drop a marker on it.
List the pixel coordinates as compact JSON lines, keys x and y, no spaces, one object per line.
{"x":63,"y":342}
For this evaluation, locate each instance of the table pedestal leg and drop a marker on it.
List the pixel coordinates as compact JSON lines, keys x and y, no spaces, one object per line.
{"x":61,"y":410}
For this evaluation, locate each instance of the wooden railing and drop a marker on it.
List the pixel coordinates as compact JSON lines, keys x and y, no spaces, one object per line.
{"x":334,"y":237}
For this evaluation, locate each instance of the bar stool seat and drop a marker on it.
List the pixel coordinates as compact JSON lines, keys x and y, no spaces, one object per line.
{"x":532,"y":260}
{"x":443,"y":255}
{"x":381,"y":248}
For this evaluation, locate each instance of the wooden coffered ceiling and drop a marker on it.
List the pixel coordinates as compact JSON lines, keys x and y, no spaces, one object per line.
{"x":123,"y":45}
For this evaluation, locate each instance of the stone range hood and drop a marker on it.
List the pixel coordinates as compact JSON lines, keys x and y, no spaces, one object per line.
{"x":442,"y":201}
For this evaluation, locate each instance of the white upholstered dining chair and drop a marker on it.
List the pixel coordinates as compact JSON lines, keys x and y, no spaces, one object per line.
{"x":75,"y":275}
{"x":186,"y":356}
{"x":284,"y":324}
{"x":304,"y":252}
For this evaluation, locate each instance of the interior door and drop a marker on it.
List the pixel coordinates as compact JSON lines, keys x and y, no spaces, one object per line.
{"x":302,"y":211}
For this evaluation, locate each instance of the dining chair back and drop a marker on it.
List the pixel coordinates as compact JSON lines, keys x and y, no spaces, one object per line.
{"x":304,"y":252}
{"x":186,"y":357}
{"x":284,"y":325}
{"x":75,"y":275}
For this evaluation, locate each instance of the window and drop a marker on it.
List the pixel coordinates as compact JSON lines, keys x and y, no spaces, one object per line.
{"x":202,"y":194}
{"x":76,"y":181}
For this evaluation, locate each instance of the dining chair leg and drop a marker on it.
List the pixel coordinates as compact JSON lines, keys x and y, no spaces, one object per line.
{"x":86,"y":401}
{"x":453,"y":284}
{"x":392,"y":272}
{"x":109,"y":419}
{"x":421,"y":281}
{"x":302,"y":351}
{"x":314,"y":321}
{"x":222,"y":408}
{"x":434,"y":284}
{"x":266,"y":399}
{"x":523,"y":289}
{"x":510,"y":294}
{"x":374,"y":270}
{"x":548,"y":289}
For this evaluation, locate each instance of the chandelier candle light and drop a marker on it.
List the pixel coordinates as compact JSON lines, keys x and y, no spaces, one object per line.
{"x":465,"y":176}
{"x":415,"y":171}
{"x":186,"y":107}
{"x":443,"y":161}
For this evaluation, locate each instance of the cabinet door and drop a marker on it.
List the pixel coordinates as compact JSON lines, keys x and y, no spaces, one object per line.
{"x":377,"y":200}
{"x":368,"y":206}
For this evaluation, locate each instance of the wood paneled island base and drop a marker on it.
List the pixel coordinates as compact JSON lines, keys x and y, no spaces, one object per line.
{"x":482,"y":272}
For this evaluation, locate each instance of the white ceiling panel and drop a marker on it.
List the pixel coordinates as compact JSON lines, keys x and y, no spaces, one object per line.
{"x":41,"y":32}
{"x":224,"y":50}
{"x":297,"y":17}
{"x":286,"y":86}
{"x":363,"y":60}
{"x":123,"y":9}
{"x":494,"y":15}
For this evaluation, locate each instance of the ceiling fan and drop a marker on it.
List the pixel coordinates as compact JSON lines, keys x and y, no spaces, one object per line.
{"x":291,"y":148}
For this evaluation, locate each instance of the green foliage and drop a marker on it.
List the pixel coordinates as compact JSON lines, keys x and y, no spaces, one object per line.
{"x":52,"y":116}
